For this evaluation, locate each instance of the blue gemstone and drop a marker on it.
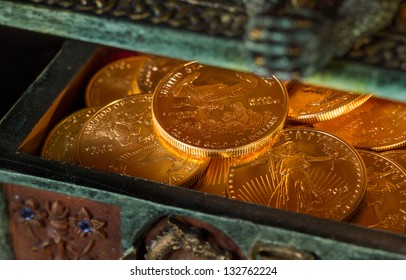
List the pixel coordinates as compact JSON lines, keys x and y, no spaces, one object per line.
{"x":85,"y":226}
{"x":27,"y":213}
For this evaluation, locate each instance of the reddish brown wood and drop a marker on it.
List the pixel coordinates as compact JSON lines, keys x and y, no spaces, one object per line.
{"x":48,"y":225}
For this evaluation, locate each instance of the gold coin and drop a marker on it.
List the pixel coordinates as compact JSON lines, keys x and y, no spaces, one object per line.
{"x":120,"y":138}
{"x":305,"y":171}
{"x":376,"y":125}
{"x":214,"y":180}
{"x":310,"y":104}
{"x":384,"y":204}
{"x":114,"y":81}
{"x":208,"y":111}
{"x":398,"y":156}
{"x":154,"y":70}
{"x":60,"y":143}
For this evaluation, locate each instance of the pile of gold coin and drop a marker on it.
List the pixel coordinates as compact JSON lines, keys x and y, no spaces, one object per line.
{"x":297,"y":147}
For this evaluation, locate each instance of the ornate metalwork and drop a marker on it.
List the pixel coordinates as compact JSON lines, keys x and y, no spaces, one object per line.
{"x":181,"y":236}
{"x":263,"y":251}
{"x":225,"y":18}
{"x":286,"y":38}
{"x":385,"y":49}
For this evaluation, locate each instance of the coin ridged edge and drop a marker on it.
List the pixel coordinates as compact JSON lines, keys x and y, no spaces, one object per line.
{"x":220,"y":153}
{"x":334,"y":113}
{"x":396,"y":146}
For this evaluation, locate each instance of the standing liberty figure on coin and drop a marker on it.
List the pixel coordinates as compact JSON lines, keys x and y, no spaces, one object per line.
{"x":306,"y":171}
{"x":294,"y":190}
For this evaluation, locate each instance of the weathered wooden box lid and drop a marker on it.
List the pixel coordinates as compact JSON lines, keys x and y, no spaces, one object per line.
{"x":322,"y":42}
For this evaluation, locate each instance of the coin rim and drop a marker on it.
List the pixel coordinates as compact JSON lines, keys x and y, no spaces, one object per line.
{"x":382,"y":155}
{"x":391,"y":152}
{"x":329,"y":114}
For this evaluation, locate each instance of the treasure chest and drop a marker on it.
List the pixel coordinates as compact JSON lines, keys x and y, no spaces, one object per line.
{"x":51,"y":209}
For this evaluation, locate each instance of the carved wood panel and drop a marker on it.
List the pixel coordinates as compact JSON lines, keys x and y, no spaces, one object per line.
{"x":47,"y":225}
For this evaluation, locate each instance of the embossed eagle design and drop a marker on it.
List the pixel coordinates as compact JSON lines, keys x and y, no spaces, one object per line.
{"x":208,"y":96}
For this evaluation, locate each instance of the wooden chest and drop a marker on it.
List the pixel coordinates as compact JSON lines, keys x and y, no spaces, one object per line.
{"x":122,"y":209}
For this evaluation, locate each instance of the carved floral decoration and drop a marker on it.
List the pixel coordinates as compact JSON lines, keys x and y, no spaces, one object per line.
{"x":67,"y":235}
{"x":29,"y":214}
{"x":85,"y":226}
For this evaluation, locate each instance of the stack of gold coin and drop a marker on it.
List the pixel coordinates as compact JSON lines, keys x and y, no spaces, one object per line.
{"x":286,"y":145}
{"x":115,"y":132}
{"x":224,"y":115}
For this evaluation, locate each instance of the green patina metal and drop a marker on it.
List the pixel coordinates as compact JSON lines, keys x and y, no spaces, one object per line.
{"x":358,"y":77}
{"x":6,"y":252}
{"x":182,"y":44}
{"x":137,"y":215}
